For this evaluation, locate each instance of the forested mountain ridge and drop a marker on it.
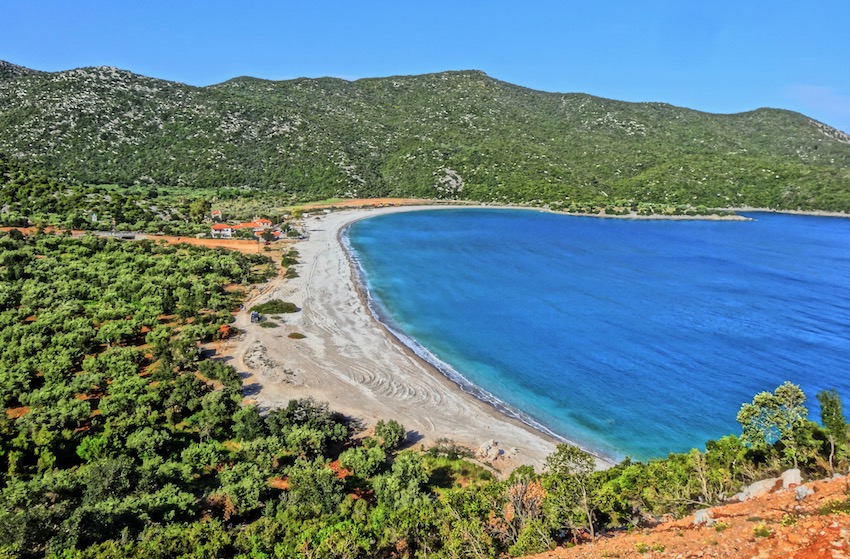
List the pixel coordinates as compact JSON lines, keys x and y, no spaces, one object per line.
{"x":448,"y":135}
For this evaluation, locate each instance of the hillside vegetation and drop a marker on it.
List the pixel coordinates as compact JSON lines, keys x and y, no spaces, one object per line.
{"x":452,"y":135}
{"x":119,"y":438}
{"x":29,"y":198}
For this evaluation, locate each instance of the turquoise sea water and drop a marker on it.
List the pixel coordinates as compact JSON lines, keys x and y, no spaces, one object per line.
{"x":631,"y":338}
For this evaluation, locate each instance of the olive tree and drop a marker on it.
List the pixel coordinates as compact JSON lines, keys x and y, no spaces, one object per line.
{"x":773,"y":417}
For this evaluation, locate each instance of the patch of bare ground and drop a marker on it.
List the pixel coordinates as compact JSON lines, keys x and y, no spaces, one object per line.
{"x":245,"y":246}
{"x":774,"y":526}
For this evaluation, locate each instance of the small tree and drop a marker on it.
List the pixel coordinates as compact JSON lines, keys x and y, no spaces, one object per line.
{"x":402,"y":487}
{"x":248,"y":424}
{"x":834,"y":423}
{"x":727,"y":464}
{"x":391,"y":434}
{"x":241,"y":487}
{"x":363,"y":462}
{"x":199,"y":209}
{"x":570,"y":488}
{"x":315,"y":486}
{"x":772,"y":418}
{"x":217,"y":409}
{"x":160,"y":340}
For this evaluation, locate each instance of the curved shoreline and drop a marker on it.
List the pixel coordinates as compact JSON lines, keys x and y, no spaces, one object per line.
{"x":493,"y":406}
{"x":440,"y":366}
{"x":352,"y":361}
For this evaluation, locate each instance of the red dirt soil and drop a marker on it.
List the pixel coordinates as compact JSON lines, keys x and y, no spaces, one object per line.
{"x":797,"y":530}
{"x":239,"y":245}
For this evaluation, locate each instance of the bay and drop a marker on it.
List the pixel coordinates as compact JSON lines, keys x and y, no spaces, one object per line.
{"x":631,"y":338}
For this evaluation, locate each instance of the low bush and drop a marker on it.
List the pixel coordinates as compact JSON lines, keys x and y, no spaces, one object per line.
{"x":762,"y":531}
{"x":836,"y":506}
{"x":275,"y":306}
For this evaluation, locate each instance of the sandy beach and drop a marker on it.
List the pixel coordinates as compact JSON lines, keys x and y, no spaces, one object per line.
{"x":351,"y":361}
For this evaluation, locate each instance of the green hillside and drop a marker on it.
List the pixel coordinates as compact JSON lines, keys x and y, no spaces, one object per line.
{"x":449,"y":135}
{"x":119,"y":439}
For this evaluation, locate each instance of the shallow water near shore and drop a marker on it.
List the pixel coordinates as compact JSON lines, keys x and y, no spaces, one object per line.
{"x":633,"y":338}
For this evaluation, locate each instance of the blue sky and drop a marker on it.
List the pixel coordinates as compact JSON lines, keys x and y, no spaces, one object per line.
{"x":721,"y":56}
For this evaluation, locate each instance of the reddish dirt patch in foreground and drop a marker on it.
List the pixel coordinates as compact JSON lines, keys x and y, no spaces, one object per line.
{"x":795,"y":530}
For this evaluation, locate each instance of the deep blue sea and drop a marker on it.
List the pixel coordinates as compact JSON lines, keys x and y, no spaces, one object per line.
{"x":631,"y":338}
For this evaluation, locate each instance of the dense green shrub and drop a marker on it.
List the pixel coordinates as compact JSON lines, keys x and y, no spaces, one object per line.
{"x":275,"y":306}
{"x":390,"y":433}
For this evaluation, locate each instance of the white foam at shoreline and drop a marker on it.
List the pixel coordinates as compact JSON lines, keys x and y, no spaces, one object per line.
{"x":383,"y":317}
{"x":352,"y":361}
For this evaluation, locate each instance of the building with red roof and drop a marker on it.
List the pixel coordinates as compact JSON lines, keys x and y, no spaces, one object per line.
{"x":259,"y":225}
